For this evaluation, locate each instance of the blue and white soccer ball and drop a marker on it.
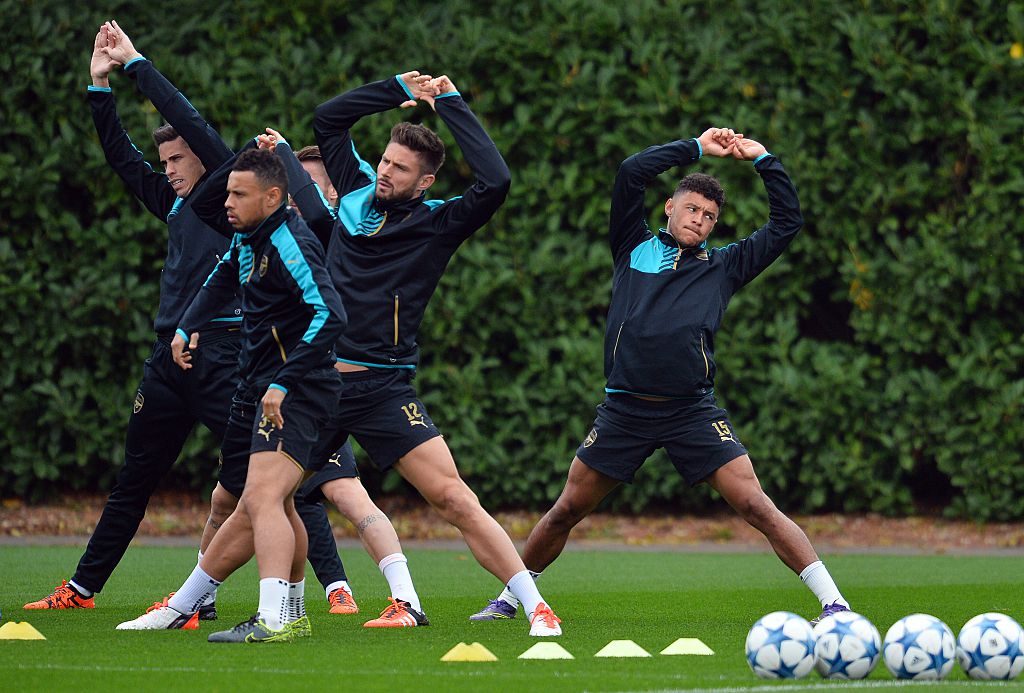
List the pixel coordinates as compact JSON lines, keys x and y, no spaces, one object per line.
{"x":991,"y":646}
{"x":781,"y":646}
{"x":919,"y":646}
{"x":848,"y":646}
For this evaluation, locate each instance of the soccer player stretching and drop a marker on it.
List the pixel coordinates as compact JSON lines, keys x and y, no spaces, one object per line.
{"x":169,"y":402}
{"x":387,"y":254}
{"x":291,"y":318}
{"x":669,"y":292}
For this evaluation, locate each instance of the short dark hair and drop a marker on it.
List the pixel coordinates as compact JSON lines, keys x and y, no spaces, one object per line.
{"x":165,"y":133}
{"x":421,"y":140}
{"x":267,"y":167}
{"x":310,"y":153}
{"x":702,"y":184}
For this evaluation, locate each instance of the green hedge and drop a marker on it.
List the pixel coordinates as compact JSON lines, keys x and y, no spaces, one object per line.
{"x":876,"y":366}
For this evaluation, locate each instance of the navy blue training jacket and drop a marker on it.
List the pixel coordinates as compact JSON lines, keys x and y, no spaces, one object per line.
{"x":667,"y":300}
{"x":291,"y":314}
{"x":193,"y":248}
{"x":387,"y":258}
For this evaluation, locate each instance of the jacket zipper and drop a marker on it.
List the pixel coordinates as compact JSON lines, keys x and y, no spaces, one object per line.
{"x":284,"y":356}
{"x":396,"y":319}
{"x":707,"y":367}
{"x":615,"y":349}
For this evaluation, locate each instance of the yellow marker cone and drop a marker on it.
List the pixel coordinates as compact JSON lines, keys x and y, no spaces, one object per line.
{"x":546,"y":650}
{"x":622,"y":648}
{"x":19,"y":631}
{"x":469,"y":653}
{"x":688,"y":646}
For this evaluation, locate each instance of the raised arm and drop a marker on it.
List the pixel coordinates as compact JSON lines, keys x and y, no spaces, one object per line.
{"x":208,"y":200}
{"x":314,"y":208}
{"x":627,"y":222}
{"x":464,"y":215}
{"x":169,"y":102}
{"x":749,"y":257}
{"x":333,"y":119}
{"x":152,"y":188}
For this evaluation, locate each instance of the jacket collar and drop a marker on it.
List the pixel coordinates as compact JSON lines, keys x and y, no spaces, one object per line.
{"x":391,"y":207}
{"x":670,"y":241}
{"x":265,"y":227}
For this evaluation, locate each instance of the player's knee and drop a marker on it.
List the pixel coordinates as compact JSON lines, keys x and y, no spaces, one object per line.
{"x":457,"y":503}
{"x":258,"y":497}
{"x":351,"y":499}
{"x":565,"y":514}
{"x":222,"y":504}
{"x":758,"y":510}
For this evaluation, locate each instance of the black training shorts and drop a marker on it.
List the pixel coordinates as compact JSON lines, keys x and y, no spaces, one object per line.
{"x":696,"y":434}
{"x":380,"y":409}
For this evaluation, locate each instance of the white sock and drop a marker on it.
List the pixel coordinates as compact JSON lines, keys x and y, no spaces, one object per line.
{"x":818,"y":580}
{"x":296,"y":600}
{"x":212,"y":596}
{"x":509,"y":598}
{"x":524,"y":589}
{"x":396,"y":571}
{"x":81,"y":590}
{"x":337,"y":584}
{"x":273,"y":608}
{"x":193,"y":592}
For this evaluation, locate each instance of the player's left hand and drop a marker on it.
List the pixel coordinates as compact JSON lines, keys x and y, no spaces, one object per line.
{"x":270,"y":140}
{"x":120,"y":47}
{"x":439,"y":85}
{"x":272,"y":406}
{"x":747,"y":149}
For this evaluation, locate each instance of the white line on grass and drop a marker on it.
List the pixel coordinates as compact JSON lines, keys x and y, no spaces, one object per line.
{"x":559,"y":674}
{"x":832,"y":686}
{"x":220,"y":670}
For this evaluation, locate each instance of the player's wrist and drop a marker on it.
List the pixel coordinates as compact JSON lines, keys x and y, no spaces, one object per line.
{"x":101,"y":81}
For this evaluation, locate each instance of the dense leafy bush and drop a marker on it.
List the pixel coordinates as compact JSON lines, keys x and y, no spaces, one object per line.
{"x":876,"y":366}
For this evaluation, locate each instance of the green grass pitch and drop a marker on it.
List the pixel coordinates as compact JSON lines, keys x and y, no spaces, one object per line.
{"x":651,"y":598}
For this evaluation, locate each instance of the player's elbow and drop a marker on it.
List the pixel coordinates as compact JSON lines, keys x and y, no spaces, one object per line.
{"x":795,"y":221}
{"x":501,"y":184}
{"x":628,"y":167}
{"x":321,"y":120}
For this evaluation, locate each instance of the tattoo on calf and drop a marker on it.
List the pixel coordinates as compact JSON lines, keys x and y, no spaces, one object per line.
{"x":368,"y":520}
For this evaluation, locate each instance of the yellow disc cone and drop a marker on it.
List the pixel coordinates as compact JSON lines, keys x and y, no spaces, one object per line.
{"x":469,"y":653}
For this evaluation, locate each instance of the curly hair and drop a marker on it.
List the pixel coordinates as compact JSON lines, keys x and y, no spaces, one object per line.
{"x":702,"y":184}
{"x":267,"y":167}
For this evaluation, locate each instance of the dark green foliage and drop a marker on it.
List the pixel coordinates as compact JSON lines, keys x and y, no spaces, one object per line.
{"x":876,"y":366}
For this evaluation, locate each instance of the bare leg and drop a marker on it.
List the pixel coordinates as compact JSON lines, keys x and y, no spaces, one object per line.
{"x":222,"y":504}
{"x":271,"y":481}
{"x":741,"y":489}
{"x":375,"y":529}
{"x":584,"y":489}
{"x":298,"y":569}
{"x":431,"y":469}
{"x":231,"y":547}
